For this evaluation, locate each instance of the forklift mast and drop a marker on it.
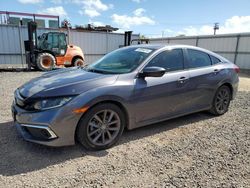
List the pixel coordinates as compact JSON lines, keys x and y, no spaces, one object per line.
{"x":31,"y":44}
{"x":127,"y":38}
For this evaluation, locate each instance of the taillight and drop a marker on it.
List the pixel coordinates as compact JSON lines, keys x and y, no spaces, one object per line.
{"x":236,"y":69}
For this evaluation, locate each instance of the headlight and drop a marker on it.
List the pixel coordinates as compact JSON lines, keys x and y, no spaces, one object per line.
{"x":51,"y":103}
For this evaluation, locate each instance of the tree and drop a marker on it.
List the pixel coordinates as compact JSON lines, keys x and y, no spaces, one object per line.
{"x":142,"y":37}
{"x":65,"y":24}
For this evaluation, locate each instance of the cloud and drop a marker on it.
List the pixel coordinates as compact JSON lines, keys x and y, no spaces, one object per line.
{"x":30,"y":1}
{"x":92,"y":8}
{"x":96,"y":4}
{"x":235,"y":24}
{"x":137,"y":18}
{"x":90,"y":12}
{"x":59,"y":11}
{"x":168,"y":31}
{"x":96,"y":23}
{"x":139,"y":11}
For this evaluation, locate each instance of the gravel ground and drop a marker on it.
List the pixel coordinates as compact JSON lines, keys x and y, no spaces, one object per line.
{"x":197,"y":150}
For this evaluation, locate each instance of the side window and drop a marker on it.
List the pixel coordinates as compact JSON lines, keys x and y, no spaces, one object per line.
{"x":62,"y":40}
{"x":55,"y":40}
{"x":215,"y":60}
{"x":198,"y":59}
{"x":170,"y":60}
{"x":49,"y":38}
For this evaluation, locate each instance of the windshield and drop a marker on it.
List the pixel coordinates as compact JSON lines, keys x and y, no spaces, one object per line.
{"x":121,"y":61}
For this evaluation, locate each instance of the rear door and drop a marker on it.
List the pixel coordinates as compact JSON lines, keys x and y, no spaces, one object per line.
{"x":203,"y":79}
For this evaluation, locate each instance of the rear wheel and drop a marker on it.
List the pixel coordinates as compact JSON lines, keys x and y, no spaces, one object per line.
{"x":101,"y":127}
{"x":45,"y":61}
{"x":221,"y":101}
{"x":78,"y":62}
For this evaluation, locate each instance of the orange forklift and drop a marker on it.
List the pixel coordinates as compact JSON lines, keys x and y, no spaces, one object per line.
{"x":50,"y":50}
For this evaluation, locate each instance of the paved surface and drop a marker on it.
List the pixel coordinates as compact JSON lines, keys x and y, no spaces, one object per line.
{"x":198,"y":150}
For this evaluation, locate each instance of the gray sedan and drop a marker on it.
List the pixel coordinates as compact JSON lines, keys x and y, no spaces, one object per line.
{"x":127,"y":88}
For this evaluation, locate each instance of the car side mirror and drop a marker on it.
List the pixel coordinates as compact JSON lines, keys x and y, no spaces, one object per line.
{"x":152,"y":72}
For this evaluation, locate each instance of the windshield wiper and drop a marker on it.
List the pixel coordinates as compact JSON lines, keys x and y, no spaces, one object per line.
{"x":98,"y":71}
{"x":94,"y":70}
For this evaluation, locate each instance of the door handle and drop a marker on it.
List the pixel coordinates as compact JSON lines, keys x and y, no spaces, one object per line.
{"x":182,"y":79}
{"x":216,"y":71}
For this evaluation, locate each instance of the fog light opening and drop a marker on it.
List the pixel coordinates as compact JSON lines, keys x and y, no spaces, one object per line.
{"x":45,"y":133}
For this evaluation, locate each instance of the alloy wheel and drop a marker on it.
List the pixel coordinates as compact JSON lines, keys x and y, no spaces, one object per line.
{"x":103,"y":127}
{"x":222,"y":100}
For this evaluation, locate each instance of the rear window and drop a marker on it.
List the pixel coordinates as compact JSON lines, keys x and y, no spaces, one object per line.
{"x":198,"y":59}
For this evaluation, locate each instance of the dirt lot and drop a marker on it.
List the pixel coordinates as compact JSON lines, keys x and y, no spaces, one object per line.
{"x":198,"y":150}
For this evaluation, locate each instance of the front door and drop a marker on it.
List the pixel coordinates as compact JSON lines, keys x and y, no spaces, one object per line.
{"x":157,"y":98}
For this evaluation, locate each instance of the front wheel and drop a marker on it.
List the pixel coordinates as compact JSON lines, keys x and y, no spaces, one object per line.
{"x":45,"y":61}
{"x":101,"y":127}
{"x":221,"y":101}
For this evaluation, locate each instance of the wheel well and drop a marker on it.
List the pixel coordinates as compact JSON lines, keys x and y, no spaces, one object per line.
{"x":117,"y":104}
{"x":112,"y":102}
{"x":47,"y":51}
{"x":230,"y":87}
{"x":74,"y":58}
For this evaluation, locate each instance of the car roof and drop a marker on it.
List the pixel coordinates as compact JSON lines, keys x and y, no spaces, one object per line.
{"x":161,"y":46}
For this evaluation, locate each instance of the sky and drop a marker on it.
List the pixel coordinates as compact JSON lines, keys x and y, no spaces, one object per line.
{"x":151,"y":18}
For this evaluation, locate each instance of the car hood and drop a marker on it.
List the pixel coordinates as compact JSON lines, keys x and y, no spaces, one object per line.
{"x":71,"y":81}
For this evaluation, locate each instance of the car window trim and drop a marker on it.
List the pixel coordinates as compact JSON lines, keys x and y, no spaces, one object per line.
{"x":188,"y":58}
{"x":210,"y":55}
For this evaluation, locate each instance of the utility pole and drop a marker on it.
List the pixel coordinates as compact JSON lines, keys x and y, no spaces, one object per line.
{"x":216,"y":27}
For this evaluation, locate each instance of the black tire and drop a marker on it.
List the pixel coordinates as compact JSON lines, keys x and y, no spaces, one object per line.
{"x":78,"y":62}
{"x":34,"y":67}
{"x":89,"y":127}
{"x":45,"y":61}
{"x":221,"y":101}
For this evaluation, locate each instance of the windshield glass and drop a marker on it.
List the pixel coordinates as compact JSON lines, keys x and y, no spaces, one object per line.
{"x":121,"y":61}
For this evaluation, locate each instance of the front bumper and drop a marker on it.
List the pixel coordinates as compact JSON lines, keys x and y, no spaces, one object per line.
{"x":51,"y":127}
{"x":36,"y":133}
